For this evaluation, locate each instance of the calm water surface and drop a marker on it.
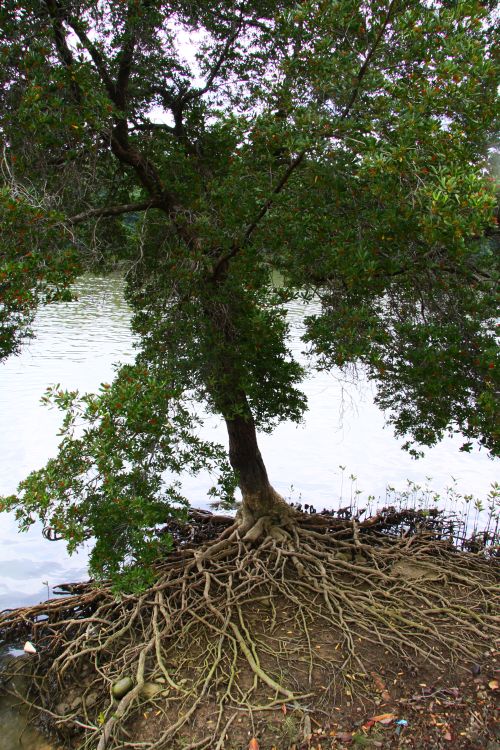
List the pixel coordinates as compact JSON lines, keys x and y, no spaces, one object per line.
{"x":77,"y":344}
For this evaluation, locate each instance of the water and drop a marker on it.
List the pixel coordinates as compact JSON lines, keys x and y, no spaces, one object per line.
{"x":76,"y":346}
{"x":17,"y":730}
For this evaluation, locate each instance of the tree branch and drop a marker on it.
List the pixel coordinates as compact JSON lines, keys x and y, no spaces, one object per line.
{"x":176,"y":103}
{"x":347,"y":109}
{"x":96,"y":56}
{"x":143,"y":167}
{"x":152,"y":126}
{"x":300,"y":157}
{"x":120,"y":146}
{"x":125,"y":63}
{"x":63,"y":50}
{"x":117,"y":92}
{"x":196,"y":93}
{"x":368,"y":58}
{"x":124,"y":208}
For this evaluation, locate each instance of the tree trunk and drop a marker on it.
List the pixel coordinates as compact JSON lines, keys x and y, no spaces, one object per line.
{"x":262,"y":505}
{"x":260,"y":499}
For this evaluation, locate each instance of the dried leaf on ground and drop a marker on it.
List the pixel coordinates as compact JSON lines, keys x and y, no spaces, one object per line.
{"x":381,"y":686}
{"x":379,"y":683}
{"x":380,"y":719}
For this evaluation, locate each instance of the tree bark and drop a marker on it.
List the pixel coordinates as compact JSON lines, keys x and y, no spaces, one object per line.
{"x":261,"y":505}
{"x":260,"y":499}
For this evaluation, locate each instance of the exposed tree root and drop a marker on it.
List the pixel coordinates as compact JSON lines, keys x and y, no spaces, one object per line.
{"x":252,"y":620}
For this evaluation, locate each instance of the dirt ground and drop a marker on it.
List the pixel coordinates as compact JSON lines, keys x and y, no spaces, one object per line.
{"x":394,"y":706}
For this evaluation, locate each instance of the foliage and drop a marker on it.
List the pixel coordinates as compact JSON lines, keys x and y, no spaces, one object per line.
{"x":203,"y":148}
{"x":113,"y":480}
{"x":31,"y":272}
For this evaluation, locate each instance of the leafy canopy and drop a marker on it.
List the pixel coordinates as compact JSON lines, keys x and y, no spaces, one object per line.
{"x":204,"y":147}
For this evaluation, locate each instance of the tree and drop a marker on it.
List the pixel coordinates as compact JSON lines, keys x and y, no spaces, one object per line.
{"x":206,"y":149}
{"x":230,"y":157}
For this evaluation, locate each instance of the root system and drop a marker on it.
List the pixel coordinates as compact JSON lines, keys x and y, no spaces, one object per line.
{"x":247,"y":622}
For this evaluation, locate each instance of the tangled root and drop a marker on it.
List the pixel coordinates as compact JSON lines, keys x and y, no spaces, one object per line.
{"x":250,"y":621}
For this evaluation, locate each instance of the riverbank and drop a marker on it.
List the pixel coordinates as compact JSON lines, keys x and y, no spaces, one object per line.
{"x":277,"y":641}
{"x":420,"y":708}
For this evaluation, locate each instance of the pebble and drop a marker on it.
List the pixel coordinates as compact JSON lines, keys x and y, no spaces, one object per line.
{"x":150,"y":689}
{"x":122,"y":687}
